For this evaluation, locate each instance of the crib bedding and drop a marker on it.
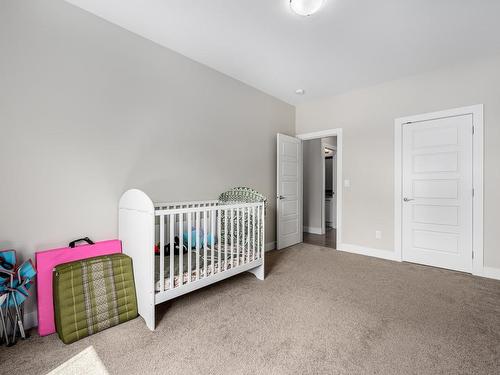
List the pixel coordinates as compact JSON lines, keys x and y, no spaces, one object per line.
{"x":224,"y":260}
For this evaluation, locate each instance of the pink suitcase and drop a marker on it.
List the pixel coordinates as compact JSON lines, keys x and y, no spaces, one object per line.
{"x":45,"y":263}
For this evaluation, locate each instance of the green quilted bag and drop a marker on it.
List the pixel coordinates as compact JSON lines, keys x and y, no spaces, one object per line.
{"x":93,"y":294}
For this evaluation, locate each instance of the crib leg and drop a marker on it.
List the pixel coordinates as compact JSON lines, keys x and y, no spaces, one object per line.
{"x":258,"y":272}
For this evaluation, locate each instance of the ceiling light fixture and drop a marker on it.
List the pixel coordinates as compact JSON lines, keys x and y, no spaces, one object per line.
{"x":300,"y":91}
{"x":306,"y":7}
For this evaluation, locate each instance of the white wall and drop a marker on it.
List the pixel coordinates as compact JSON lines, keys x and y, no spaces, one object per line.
{"x":313,"y":185}
{"x":367,"y":118}
{"x":88,"y":110}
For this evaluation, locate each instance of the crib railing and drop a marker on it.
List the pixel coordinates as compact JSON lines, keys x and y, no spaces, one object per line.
{"x":229,"y":235}
{"x":194,"y":204}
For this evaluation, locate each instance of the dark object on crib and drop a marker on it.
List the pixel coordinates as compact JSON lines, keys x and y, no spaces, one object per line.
{"x":176,"y":247}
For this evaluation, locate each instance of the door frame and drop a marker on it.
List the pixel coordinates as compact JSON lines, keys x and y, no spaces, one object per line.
{"x":337,"y":132}
{"x":477,"y":177}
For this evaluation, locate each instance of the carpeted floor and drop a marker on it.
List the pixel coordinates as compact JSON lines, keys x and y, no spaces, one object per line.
{"x":319,"y":311}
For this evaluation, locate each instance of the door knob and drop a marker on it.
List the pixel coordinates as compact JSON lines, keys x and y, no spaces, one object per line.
{"x":281,"y":197}
{"x":408,"y":199}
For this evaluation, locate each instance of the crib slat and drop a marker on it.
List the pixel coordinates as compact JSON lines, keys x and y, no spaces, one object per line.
{"x":205,"y":217}
{"x":212,"y":234}
{"x":190,"y":265}
{"x":197,"y":231}
{"x":172,"y":251}
{"x":181,"y":250}
{"x":162,"y":253}
{"x":219,"y":237}
{"x":238,"y":247}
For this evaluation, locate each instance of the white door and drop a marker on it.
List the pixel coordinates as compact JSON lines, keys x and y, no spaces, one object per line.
{"x":437,"y":192}
{"x":289,"y":191}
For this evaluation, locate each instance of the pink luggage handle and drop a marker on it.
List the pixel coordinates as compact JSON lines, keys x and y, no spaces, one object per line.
{"x":72,"y":244}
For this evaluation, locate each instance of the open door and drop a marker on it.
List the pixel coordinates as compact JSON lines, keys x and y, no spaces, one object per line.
{"x":289,"y":191}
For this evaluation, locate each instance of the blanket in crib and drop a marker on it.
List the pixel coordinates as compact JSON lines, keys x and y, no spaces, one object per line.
{"x":227,"y":260}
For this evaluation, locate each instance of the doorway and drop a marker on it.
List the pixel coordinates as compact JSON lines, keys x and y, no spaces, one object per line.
{"x":290,"y":183}
{"x":289,"y":194}
{"x":439,"y":189}
{"x":319,"y":198}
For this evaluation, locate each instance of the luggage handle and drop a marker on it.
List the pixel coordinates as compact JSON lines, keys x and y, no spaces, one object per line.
{"x":72,"y":244}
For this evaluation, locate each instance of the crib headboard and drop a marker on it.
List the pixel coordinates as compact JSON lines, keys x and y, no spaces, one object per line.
{"x":136,"y":231}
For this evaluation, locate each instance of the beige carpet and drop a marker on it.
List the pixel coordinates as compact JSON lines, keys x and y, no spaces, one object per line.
{"x":319,"y":311}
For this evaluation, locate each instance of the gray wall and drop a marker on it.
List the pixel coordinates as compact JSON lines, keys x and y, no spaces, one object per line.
{"x":330,"y":141}
{"x":313,"y":183}
{"x":367,"y":118}
{"x":328,"y":174}
{"x":88,"y":110}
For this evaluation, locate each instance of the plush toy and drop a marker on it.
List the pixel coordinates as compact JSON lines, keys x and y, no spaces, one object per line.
{"x":210,"y":238}
{"x":185,"y":238}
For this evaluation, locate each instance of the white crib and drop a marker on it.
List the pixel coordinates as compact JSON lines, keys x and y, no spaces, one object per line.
{"x":222,"y":241}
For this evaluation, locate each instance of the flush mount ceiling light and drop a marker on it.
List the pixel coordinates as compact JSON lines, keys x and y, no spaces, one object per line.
{"x":306,"y":7}
{"x":300,"y":91}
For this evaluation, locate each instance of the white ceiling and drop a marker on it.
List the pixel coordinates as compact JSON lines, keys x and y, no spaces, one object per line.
{"x":348,"y":44}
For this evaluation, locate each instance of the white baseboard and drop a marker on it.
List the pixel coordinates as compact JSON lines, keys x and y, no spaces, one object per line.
{"x":490,"y":273}
{"x":313,"y":230}
{"x":270,"y":246}
{"x":368,"y":251}
{"x":30,"y":319}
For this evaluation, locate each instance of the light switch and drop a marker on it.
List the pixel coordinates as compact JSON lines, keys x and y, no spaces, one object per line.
{"x":347,"y":183}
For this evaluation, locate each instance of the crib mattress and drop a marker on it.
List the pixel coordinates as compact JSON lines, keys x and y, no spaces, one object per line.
{"x":230,"y":262}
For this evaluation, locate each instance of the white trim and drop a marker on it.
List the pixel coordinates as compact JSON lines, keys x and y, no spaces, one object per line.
{"x":491,"y":273}
{"x":313,"y":230}
{"x":368,"y":251}
{"x":30,"y":319}
{"x":270,"y":246}
{"x":478,"y":159}
{"x":332,"y":133}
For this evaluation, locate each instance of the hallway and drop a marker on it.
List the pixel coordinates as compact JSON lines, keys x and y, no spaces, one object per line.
{"x":327,"y":240}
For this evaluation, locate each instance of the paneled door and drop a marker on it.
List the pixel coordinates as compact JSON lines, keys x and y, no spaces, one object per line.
{"x":289,"y":191}
{"x":437,"y":192}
